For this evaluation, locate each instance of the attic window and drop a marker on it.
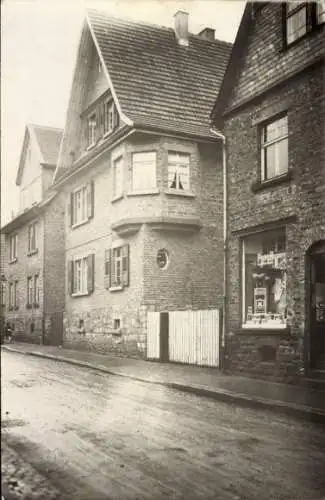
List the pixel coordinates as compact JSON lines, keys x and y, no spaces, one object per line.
{"x":110,"y":117}
{"x":91,"y":130}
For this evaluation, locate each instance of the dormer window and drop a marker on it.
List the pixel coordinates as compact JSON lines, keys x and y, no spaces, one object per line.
{"x":110,"y":117}
{"x":91,"y":129}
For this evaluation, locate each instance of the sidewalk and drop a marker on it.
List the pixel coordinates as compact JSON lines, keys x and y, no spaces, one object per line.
{"x":298,"y":401}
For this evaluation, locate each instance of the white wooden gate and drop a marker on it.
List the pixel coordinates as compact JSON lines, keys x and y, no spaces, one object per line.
{"x":153,"y":337}
{"x":194,"y":337}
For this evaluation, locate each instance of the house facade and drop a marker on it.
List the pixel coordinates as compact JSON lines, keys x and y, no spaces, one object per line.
{"x":272,"y":110}
{"x":141,"y":175}
{"x":33,"y":251}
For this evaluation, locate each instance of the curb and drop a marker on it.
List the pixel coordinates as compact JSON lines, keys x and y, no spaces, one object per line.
{"x":289,"y":409}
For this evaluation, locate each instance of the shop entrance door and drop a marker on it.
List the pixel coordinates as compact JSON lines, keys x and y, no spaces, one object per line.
{"x":317,"y":307}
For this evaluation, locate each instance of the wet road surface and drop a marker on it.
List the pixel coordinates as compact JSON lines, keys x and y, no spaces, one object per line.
{"x":94,"y":436}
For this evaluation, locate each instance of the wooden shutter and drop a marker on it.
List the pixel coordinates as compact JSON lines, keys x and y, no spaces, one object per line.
{"x":90,"y":199}
{"x":98,"y":123}
{"x":125,"y":265}
{"x":90,"y":273}
{"x":101,"y":114}
{"x":113,"y":277}
{"x":70,"y":277}
{"x":107,"y":270}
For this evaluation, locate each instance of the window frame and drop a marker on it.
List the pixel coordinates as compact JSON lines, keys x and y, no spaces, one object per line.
{"x":30,"y":292}
{"x":13,"y":247}
{"x":83,"y":276}
{"x":13,"y":295}
{"x":118,"y":193}
{"x":92,"y":125}
{"x":36,"y":290}
{"x":33,"y":237}
{"x":119,"y":266}
{"x":313,"y":19}
{"x":143,"y":188}
{"x":83,"y":205}
{"x":178,"y":164}
{"x":265,"y":144}
{"x":109,"y":116}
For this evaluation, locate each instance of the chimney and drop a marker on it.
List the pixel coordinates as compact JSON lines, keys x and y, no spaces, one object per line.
{"x":207,"y":34}
{"x":181,"y":27}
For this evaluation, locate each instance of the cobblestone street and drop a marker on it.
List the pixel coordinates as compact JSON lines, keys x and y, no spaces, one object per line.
{"x":72,"y":433}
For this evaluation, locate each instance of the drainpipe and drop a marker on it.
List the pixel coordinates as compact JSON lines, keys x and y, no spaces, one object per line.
{"x":222,"y":137}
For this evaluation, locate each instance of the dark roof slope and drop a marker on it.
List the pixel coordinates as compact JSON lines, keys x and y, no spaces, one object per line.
{"x":159,"y":83}
{"x":49,"y":140}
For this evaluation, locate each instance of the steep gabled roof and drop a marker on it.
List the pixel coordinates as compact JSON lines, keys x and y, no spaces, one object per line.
{"x":235,"y":61}
{"x":49,"y":140}
{"x":157,"y":82}
{"x":46,"y":140}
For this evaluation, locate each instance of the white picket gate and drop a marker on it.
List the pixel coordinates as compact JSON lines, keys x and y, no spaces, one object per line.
{"x":153,"y":338}
{"x":193,"y":336}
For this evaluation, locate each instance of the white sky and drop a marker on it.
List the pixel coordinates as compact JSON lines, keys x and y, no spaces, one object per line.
{"x":38,"y":52}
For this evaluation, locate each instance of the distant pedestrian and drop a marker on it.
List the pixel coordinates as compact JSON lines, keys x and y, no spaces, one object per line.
{"x":8,"y":332}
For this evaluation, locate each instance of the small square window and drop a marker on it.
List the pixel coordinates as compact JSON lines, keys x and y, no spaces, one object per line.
{"x":274,"y":148}
{"x":117,"y":323}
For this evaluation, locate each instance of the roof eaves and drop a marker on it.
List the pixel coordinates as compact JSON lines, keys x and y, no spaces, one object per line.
{"x":125,"y":118}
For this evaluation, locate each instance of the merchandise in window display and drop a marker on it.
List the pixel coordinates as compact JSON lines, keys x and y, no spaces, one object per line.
{"x":269,"y":291}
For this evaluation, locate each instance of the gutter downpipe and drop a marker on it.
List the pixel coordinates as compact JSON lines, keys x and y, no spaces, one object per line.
{"x":222,"y":137}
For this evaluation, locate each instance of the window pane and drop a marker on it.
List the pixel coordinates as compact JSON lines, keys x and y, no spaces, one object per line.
{"x":143,"y":170}
{"x":296,"y":25}
{"x":264,"y":287}
{"x":276,"y":129}
{"x":320,"y":11}
{"x":178,"y":170}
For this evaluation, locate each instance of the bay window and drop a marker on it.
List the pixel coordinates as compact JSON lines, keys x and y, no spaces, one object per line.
{"x":264,"y":280}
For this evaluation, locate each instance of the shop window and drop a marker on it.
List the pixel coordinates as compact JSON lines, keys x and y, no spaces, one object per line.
{"x":264,"y":280}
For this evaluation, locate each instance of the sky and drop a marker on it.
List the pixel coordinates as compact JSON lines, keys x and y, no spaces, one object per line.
{"x":39,"y":42}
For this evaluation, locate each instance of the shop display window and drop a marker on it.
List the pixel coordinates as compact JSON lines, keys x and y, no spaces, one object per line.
{"x":264,"y":280}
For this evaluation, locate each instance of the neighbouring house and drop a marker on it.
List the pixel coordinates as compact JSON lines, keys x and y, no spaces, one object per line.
{"x":271,"y":107}
{"x":141,"y":172}
{"x":34,"y":243}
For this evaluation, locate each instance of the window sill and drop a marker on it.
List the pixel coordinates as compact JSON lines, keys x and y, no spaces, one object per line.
{"x":78,"y":224}
{"x":13,"y":260}
{"x":32,"y":252}
{"x":281,"y":179}
{"x":285,"y":330}
{"x":116,"y":288}
{"x":80,"y":294}
{"x":179,"y":192}
{"x":142,"y":192}
{"x":117,"y":198}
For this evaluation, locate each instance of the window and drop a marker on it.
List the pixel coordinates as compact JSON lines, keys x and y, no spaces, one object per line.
{"x":13,"y":295}
{"x":143,"y":171}
{"x":296,"y":20}
{"x":82,"y":204}
{"x":301,"y":18}
{"x":117,"y":266}
{"x":162,"y":258}
{"x":81,"y":275}
{"x":274,"y":148}
{"x":2,"y":295}
{"x":32,"y":237}
{"x":36,"y":290}
{"x":29,"y":291}
{"x":264,"y":280}
{"x":110,"y":117}
{"x":320,"y":11}
{"x":91,"y":130}
{"x":178,"y":170}
{"x":13,"y":246}
{"x":118,"y":177}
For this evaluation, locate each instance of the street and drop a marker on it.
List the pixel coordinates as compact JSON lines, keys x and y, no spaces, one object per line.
{"x":79,"y":434}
